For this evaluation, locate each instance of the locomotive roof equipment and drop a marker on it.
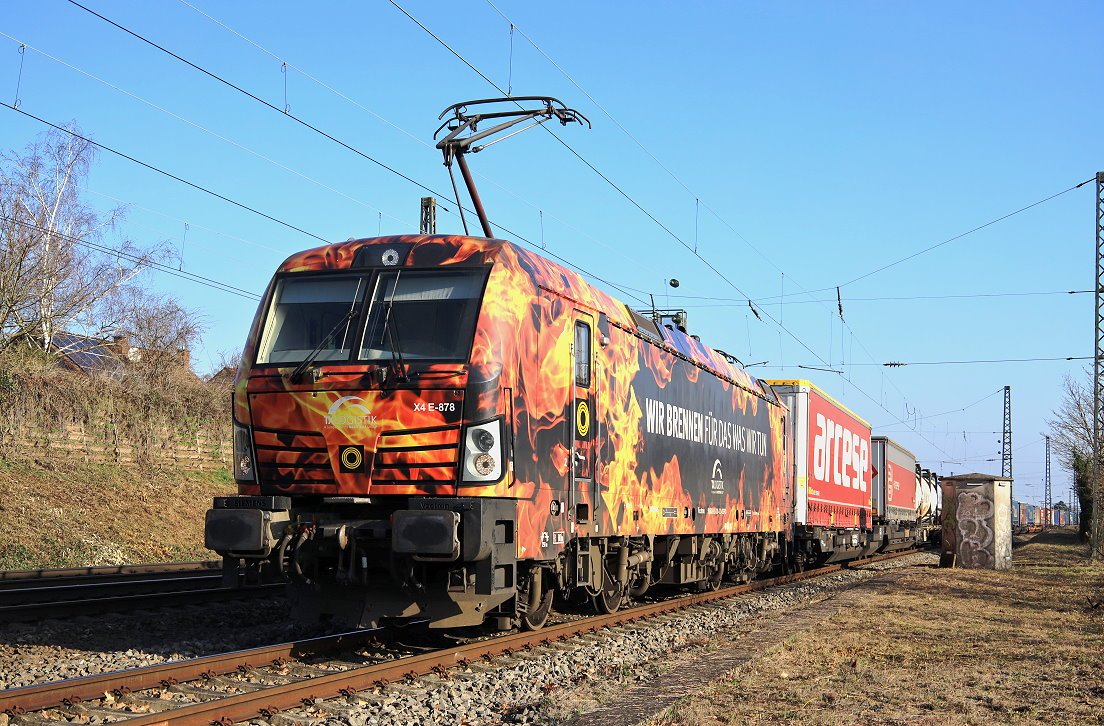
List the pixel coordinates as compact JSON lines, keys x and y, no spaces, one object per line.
{"x":455,"y":144}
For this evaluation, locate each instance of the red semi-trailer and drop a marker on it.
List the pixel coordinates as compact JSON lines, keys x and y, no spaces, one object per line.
{"x":831,"y":478}
{"x":895,"y":495}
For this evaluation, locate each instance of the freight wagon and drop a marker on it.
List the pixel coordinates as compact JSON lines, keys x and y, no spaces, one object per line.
{"x":896,"y":495}
{"x":832,"y":509}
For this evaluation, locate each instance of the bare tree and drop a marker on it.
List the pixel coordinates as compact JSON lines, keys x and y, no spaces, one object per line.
{"x":1072,"y":422}
{"x":159,"y":322}
{"x":56,"y":273}
{"x":1072,"y":433}
{"x":229,"y":359}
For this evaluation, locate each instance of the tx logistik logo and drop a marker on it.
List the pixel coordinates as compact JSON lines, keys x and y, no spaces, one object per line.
{"x":718,"y":479}
{"x":354,"y":416}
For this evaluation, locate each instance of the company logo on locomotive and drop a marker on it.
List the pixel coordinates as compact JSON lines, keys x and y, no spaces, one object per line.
{"x":718,"y":478}
{"x":582,"y":419}
{"x":355,"y":415}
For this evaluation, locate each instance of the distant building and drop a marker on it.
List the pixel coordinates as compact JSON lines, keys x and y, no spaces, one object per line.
{"x":93,"y":356}
{"x":223,"y":377}
{"x":97,"y":356}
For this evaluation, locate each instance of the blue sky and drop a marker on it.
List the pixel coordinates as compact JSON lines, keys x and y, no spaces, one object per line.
{"x":796,"y":146}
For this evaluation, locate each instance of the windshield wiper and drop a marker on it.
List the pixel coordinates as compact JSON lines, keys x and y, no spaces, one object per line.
{"x":396,"y":352}
{"x":302,"y":367}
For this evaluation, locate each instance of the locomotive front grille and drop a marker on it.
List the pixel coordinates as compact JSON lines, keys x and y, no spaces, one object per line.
{"x":292,"y":457}
{"x":414,"y":455}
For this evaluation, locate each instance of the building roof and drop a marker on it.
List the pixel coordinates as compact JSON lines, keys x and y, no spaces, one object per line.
{"x":967,"y":478}
{"x":90,"y":355}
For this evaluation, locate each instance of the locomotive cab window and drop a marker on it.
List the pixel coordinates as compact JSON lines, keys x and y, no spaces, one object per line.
{"x":422,"y":315}
{"x":582,"y":354}
{"x":304,"y":312}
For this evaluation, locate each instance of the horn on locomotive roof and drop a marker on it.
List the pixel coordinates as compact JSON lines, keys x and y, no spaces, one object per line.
{"x":454,"y":147}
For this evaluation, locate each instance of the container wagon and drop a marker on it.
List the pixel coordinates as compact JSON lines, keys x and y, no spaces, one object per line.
{"x":832,"y":511}
{"x":896,"y":495}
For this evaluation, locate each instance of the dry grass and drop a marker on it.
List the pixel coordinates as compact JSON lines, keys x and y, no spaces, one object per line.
{"x":943,"y":647}
{"x":90,"y":514}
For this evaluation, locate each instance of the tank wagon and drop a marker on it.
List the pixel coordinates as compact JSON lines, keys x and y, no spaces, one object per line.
{"x":455,"y":428}
{"x":929,"y":506}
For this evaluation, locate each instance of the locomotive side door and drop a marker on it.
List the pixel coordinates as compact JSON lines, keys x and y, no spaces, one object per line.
{"x":583,"y":425}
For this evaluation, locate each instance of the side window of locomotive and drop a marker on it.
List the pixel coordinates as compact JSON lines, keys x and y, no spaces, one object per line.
{"x":304,"y":311}
{"x":422,"y":315}
{"x":582,"y":354}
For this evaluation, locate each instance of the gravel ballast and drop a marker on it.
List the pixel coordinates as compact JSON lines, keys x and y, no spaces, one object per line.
{"x":547,"y":686}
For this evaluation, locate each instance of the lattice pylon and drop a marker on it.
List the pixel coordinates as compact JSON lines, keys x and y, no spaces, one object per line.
{"x":1097,"y":524}
{"x":1006,"y":439}
{"x":1048,"y":501}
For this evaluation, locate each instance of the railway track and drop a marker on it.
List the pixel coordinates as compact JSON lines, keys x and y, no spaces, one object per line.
{"x":30,"y":595}
{"x":263,"y":682}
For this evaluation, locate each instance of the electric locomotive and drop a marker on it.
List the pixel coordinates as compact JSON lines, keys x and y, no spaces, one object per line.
{"x":455,"y":428}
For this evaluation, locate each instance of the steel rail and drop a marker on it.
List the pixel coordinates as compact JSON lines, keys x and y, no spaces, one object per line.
{"x":77,"y":690}
{"x":43,"y":610}
{"x":54,"y":591}
{"x":271,"y":700}
{"x":110,"y":570}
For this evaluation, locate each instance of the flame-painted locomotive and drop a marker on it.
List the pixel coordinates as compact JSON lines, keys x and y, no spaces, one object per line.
{"x":457,"y":428}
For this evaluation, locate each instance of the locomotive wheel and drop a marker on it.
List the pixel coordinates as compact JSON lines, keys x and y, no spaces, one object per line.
{"x":608,"y":601}
{"x":536,"y":620}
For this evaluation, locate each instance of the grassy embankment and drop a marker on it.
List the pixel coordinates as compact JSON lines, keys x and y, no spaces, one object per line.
{"x":160,"y":435}
{"x":940,"y":647}
{"x":80,"y":515}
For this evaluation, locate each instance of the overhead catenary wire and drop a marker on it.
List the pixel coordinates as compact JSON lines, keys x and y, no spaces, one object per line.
{"x":200,"y":127}
{"x":604,"y":177}
{"x":138,"y":259}
{"x":258,"y":99}
{"x":287,"y":64}
{"x":194,"y":225}
{"x":758,"y":314}
{"x":670,"y":173}
{"x":697,"y":203}
{"x":776,"y":300}
{"x":900,"y":364}
{"x":615,"y":285}
{"x":653,"y":157}
{"x":623,"y":289}
{"x":959,"y":410}
{"x":978,"y":228}
{"x":567,"y":146}
{"x":151,"y":167}
{"x":328,"y":136}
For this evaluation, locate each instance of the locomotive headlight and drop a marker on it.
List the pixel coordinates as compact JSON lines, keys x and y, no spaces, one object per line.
{"x":483,"y":452}
{"x":484,"y":464}
{"x":243,"y":454}
{"x":483,"y":439}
